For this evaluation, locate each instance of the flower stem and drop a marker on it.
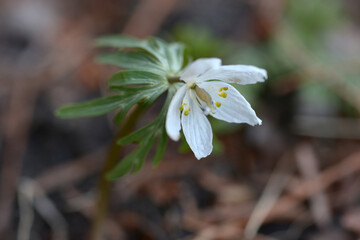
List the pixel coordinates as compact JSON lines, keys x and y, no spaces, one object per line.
{"x":173,"y":79}
{"x":104,"y":185}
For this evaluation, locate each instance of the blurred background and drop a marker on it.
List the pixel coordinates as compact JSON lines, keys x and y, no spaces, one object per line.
{"x":294,"y":177}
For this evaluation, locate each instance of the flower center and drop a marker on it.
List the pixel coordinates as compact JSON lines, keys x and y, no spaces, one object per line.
{"x":204,"y":96}
{"x":191,"y":84}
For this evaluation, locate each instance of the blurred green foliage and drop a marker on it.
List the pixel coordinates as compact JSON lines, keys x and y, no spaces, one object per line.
{"x":311,"y":19}
{"x":201,"y":42}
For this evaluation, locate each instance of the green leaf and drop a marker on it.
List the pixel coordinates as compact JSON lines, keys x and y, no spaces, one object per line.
{"x":136,"y":135}
{"x":133,"y":90}
{"x":158,"y":45}
{"x":171,"y":56}
{"x":175,"y":56}
{"x":123,"y":111}
{"x":120,"y":116}
{"x":154,"y":93}
{"x":144,"y":149}
{"x":120,"y":41}
{"x":184,"y":146}
{"x":132,"y":95}
{"x":123,"y":167}
{"x":128,"y":77}
{"x":144,"y":95}
{"x":133,"y":160}
{"x":91,"y":108}
{"x":100,"y":106}
{"x":138,"y":164}
{"x":132,"y":60}
{"x":161,"y":146}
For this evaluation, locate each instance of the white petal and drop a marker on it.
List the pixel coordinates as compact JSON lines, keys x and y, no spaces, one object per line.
{"x":199,"y":67}
{"x":196,"y":128}
{"x":172,"y":124}
{"x":240,"y":74}
{"x":234,"y":107}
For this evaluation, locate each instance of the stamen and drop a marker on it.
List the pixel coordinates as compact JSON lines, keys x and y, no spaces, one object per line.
{"x":223,"y":94}
{"x":223,"y":89}
{"x":186,"y":112}
{"x":217,"y":104}
{"x":182,"y":106}
{"x":192,"y":86}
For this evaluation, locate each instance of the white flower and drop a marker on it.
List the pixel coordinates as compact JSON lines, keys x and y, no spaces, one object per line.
{"x":207,"y":92}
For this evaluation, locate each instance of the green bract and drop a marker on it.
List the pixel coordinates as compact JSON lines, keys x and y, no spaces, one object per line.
{"x":147,"y":67}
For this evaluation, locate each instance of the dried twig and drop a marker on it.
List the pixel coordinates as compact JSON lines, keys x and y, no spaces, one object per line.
{"x":16,"y":131}
{"x":26,"y":212}
{"x":319,"y":205}
{"x":268,"y":199}
{"x":307,"y":188}
{"x":33,"y":196}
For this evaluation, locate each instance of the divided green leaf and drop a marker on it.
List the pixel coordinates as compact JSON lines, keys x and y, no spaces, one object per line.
{"x":171,"y":56}
{"x":120,"y":41}
{"x":161,"y":146}
{"x":132,"y":60}
{"x":91,"y":108}
{"x":129,"y":77}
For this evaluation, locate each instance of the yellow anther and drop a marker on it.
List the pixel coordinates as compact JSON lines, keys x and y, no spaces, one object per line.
{"x":223,"y":89}
{"x":182,"y":106}
{"x":186,"y":112}
{"x":217,"y":104}
{"x":223,"y":94}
